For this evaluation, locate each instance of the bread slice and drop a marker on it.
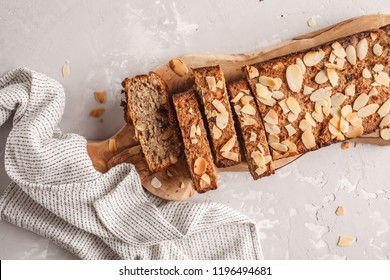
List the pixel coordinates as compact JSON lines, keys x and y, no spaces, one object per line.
{"x":251,"y":129}
{"x":330,"y":93}
{"x":197,"y":149}
{"x":150,"y":112}
{"x":211,"y":88}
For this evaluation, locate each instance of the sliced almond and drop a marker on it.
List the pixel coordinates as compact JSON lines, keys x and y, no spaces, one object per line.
{"x":248,"y":109}
{"x":269,"y":102}
{"x":230,"y":155}
{"x":155,"y":183}
{"x":354,"y":131}
{"x":373,"y":36}
{"x":198,"y":131}
{"x":345,"y":241}
{"x":66,"y":69}
{"x":260,"y":170}
{"x":290,"y":145}
{"x":304,"y":125}
{"x":272,"y":128}
{"x":307,"y":90}
{"x":321,"y":77}
{"x":279,"y":84}
{"x":112,"y":147}
{"x":252,"y":72}
{"x":338,"y":50}
{"x":216,"y":132}
{"x":276,"y":155}
{"x":310,"y":119}
{"x":356,"y":122}
{"x":246,"y":99}
{"x":100,"y":96}
{"x":279,"y":147}
{"x":351,"y":54}
{"x":229,"y":144}
{"x":166,"y":134}
{"x":277,"y":94}
{"x":352,"y":117}
{"x":206,"y":178}
{"x":377,"y":49}
{"x":378,"y":68}
{"x":178,"y":66}
{"x":219,"y":106}
{"x":219,"y":84}
{"x":222,"y":120}
{"x":333,"y":130}
{"x":294,"y":77}
{"x":366,"y":73}
{"x":385,"y":133}
{"x":271,"y":117}
{"x":284,"y":106}
{"x":290,"y":130}
{"x":248,"y":121}
{"x":262,"y":91}
{"x":335,"y":121}
{"x":340,"y":63}
{"x":273,"y":138}
{"x":313,"y":57}
{"x":261,"y":149}
{"x":332,"y":57}
{"x":301,"y":65}
{"x":360,"y":101}
{"x":211,"y":82}
{"x":318,"y":116}
{"x":308,"y":139}
{"x":368,"y":110}
{"x":278,"y":66}
{"x":350,"y":90}
{"x":340,"y":209}
{"x":292,"y":117}
{"x":96,"y":113}
{"x":385,"y":122}
{"x":258,"y":158}
{"x":373,"y":92}
{"x":200,"y":166}
{"x":347,"y":109}
{"x":194,"y":141}
{"x":238,"y":97}
{"x":333,"y":66}
{"x":337,"y":99}
{"x":362,"y":49}
{"x":344,"y":125}
{"x":193,"y":131}
{"x":267,"y":159}
{"x":237,"y":109}
{"x":135,"y":150}
{"x":384,"y":109}
{"x":321,"y":94}
{"x":268,"y":82}
{"x":253,"y":137}
{"x":293,"y":105}
{"x":333,"y":77}
{"x":382,"y":78}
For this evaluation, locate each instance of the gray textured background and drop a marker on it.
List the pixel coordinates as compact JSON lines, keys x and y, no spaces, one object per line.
{"x":105,"y":42}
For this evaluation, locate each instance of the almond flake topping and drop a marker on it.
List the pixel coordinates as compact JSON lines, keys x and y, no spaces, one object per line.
{"x":294,"y":77}
{"x":313,"y":57}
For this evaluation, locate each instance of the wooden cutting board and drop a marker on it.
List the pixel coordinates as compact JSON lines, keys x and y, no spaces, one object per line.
{"x":176,"y":182}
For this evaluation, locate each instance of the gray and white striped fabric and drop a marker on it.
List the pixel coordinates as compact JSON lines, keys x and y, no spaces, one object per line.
{"x":56,"y":192}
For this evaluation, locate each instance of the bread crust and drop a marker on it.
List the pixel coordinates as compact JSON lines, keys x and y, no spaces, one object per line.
{"x":348,"y":75}
{"x":251,"y":132}
{"x":219,"y":134}
{"x":196,"y":144}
